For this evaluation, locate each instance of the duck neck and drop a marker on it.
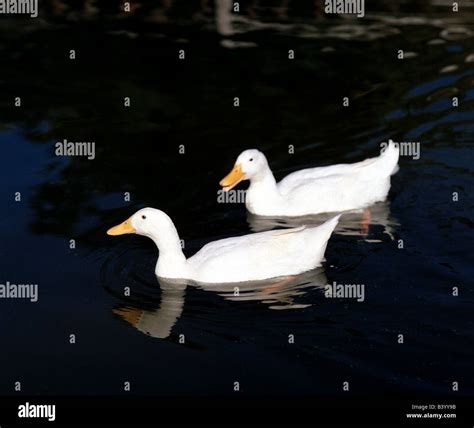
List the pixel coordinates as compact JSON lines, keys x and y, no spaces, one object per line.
{"x":171,"y":261}
{"x":262,"y":189}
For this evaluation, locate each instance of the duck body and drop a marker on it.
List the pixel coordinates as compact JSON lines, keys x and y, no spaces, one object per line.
{"x":263,"y":255}
{"x":252,"y":257}
{"x":333,"y":188}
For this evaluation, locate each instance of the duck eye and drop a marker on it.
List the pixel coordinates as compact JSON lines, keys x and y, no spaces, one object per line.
{"x":143,"y":217}
{"x":251,"y":159}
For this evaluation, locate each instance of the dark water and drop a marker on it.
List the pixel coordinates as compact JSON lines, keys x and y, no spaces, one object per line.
{"x":283,"y":102}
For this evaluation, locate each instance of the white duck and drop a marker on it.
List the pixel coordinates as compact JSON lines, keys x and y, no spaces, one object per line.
{"x":314,"y":190}
{"x":257,"y":256}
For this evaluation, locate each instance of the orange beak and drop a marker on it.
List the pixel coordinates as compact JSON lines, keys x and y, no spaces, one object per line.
{"x":233,"y":178}
{"x":122,"y":228}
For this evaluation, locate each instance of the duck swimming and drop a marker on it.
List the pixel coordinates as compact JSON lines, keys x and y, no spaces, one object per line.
{"x":331,"y":188}
{"x":257,"y":256}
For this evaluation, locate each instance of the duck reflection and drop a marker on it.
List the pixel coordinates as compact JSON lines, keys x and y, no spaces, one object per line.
{"x":356,"y":222}
{"x":277,"y":294}
{"x":158,"y":322}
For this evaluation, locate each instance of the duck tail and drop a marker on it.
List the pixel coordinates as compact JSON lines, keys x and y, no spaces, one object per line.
{"x":320,"y":236}
{"x":329,"y":225}
{"x":389,"y":158}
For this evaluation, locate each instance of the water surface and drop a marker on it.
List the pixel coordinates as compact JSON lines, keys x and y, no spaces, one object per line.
{"x":175,"y":104}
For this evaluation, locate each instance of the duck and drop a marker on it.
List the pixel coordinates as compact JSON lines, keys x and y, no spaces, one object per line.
{"x":326,"y":189}
{"x":251,"y":257}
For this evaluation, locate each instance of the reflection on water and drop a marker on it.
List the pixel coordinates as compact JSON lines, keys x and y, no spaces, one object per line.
{"x":277,"y":294}
{"x":357,"y":222}
{"x":160,"y":321}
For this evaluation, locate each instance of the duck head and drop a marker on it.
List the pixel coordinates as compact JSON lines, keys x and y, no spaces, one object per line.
{"x":146,"y":222}
{"x":157,"y":226}
{"x":249,"y":165}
